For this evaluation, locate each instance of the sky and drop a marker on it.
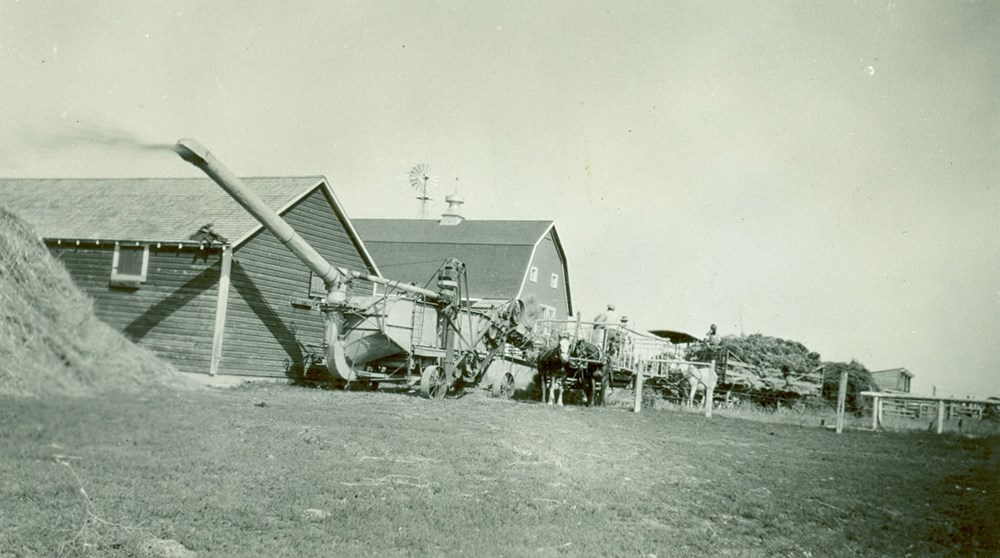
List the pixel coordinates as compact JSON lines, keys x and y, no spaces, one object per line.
{"x":823,"y":172}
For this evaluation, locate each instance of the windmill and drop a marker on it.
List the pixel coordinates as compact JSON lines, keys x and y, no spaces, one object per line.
{"x":422,"y":181}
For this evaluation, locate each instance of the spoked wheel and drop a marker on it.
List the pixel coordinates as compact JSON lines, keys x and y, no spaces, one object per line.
{"x":505,"y":387}
{"x":433,"y":382}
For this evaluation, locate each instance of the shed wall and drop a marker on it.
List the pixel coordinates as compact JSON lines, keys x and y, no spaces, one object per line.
{"x":265,"y":334}
{"x":892,"y":379}
{"x":171,"y":313}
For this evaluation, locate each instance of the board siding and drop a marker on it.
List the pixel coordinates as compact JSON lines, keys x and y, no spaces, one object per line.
{"x":172,"y":313}
{"x":547,"y":261}
{"x":264,"y":333}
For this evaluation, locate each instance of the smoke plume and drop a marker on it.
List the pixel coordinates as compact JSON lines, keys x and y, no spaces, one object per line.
{"x":90,"y":135}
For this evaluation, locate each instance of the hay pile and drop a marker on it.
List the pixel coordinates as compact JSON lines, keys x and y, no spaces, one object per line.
{"x":50,"y":340}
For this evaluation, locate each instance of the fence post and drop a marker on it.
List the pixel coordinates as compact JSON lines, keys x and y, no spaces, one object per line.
{"x":940,"y":416}
{"x":638,"y":392}
{"x":841,"y":401}
{"x":875,"y":404}
{"x":710,"y":393}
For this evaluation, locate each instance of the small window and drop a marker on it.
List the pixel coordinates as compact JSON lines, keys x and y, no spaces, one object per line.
{"x":533,"y":275}
{"x":316,"y":286}
{"x":554,"y":281}
{"x":130,"y":264}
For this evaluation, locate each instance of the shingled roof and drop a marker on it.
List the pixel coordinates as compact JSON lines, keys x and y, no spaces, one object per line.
{"x":424,"y":231}
{"x":145,"y":209}
{"x":496,"y":253}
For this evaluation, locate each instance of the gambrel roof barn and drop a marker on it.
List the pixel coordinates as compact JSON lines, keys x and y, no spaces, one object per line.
{"x":182,"y":269}
{"x":504,"y":259}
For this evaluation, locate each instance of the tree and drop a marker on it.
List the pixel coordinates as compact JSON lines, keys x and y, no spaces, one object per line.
{"x":859,"y":379}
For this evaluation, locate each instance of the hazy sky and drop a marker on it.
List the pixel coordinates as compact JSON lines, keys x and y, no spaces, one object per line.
{"x":826,"y":172}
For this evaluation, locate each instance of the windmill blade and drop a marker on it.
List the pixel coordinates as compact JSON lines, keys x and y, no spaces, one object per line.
{"x":421,"y":177}
{"x":422,"y":180}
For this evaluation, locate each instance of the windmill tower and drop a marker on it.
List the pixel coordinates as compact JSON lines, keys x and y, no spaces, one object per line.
{"x":422,"y":181}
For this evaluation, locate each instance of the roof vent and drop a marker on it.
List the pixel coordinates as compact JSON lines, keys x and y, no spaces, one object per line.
{"x":453,"y":215}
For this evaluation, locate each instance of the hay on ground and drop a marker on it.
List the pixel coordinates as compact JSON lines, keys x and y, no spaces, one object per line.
{"x":50,"y":340}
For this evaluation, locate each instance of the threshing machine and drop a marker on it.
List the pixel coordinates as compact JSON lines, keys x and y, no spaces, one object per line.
{"x":407,"y":335}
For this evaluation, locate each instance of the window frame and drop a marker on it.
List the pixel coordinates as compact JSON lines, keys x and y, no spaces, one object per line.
{"x":554,"y":281}
{"x":129,"y":278}
{"x":533,"y":274}
{"x":317,"y":289}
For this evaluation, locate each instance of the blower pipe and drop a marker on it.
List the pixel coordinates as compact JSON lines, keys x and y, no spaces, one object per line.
{"x":333,"y":278}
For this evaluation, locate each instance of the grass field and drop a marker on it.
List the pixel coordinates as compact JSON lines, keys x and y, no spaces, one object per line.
{"x":273,"y":470}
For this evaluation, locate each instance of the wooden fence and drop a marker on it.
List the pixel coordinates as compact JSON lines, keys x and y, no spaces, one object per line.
{"x":907,"y":405}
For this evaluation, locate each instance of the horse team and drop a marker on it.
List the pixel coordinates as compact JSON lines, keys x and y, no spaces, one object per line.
{"x":580,"y":361}
{"x":571,"y":360}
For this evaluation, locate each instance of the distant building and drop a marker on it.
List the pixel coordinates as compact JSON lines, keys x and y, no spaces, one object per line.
{"x":182,"y":269}
{"x":504,"y":259}
{"x":893,"y":379}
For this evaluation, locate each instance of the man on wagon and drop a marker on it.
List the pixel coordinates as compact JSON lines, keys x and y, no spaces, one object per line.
{"x":601,"y":322}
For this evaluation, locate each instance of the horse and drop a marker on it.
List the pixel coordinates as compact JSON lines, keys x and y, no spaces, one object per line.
{"x":569,"y":358}
{"x":595,"y":371}
{"x":698,"y":378}
{"x":552,"y":365}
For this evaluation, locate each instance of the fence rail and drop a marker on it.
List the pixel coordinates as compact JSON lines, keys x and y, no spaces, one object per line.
{"x":908,"y":405}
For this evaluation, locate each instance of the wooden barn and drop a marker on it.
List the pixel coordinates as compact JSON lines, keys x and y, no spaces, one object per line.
{"x":504,"y":259}
{"x":182,"y":269}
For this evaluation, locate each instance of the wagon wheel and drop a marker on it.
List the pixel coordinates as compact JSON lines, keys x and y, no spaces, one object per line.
{"x":434,"y":382}
{"x":505,"y":387}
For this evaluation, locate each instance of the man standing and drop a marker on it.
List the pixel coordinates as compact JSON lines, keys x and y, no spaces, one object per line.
{"x":601,"y":323}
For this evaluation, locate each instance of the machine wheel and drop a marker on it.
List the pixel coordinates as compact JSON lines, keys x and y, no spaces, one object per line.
{"x":504,"y":388}
{"x":434,"y":382}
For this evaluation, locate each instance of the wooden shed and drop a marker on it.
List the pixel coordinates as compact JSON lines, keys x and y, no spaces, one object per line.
{"x":182,"y":269}
{"x":894,"y":379}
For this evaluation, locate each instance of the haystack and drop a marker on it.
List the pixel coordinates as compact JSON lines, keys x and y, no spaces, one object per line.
{"x":50,"y":340}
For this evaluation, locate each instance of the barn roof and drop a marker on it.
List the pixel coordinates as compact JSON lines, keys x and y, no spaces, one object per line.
{"x":496,"y":253}
{"x":147,"y":209}
{"x":424,"y":231}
